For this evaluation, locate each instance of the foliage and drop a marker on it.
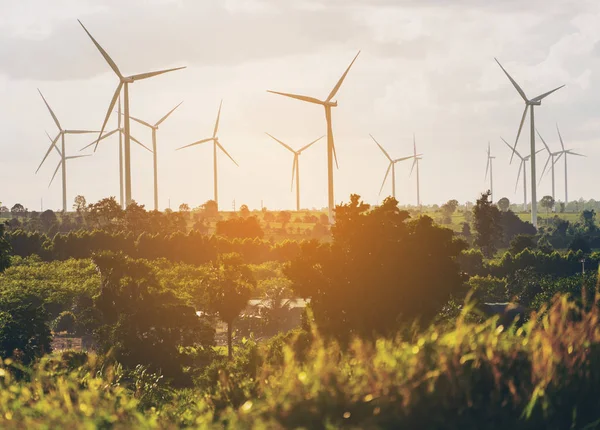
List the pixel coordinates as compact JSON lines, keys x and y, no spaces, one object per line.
{"x":522,"y":242}
{"x":240,"y":228}
{"x":356,"y":284}
{"x":503,"y":204}
{"x":486,"y":218}
{"x":5,"y":250}
{"x":547,"y":202}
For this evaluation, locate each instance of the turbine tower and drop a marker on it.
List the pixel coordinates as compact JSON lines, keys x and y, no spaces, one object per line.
{"x":522,"y":167}
{"x":121,"y":131}
{"x":551,"y":158}
{"x":529,"y":104}
{"x":124,"y":82}
{"x":216,"y":144}
{"x":565,"y":152}
{"x":391,"y":166}
{"x":61,"y":134}
{"x":489,"y":169}
{"x":296,"y":164}
{"x":416,"y":160}
{"x":154,"y":128}
{"x":327,"y":104}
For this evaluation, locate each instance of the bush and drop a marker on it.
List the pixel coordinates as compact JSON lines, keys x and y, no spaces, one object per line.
{"x":66,"y":322}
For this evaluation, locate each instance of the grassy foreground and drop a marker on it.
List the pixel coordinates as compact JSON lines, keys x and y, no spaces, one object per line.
{"x":543,"y":375}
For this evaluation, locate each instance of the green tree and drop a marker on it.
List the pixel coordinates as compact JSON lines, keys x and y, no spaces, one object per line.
{"x":547,"y":202}
{"x":5,"y":250}
{"x":210,"y":208}
{"x":244,"y":211}
{"x":486,"y":219}
{"x":377,"y":273}
{"x":18,"y":210}
{"x":184,"y":207}
{"x":588,"y":219}
{"x":229,"y":289}
{"x":522,"y":242}
{"x":80,"y":204}
{"x":48,"y":219}
{"x":106,"y":212}
{"x":240,"y":228}
{"x":65,"y":322}
{"x":503,"y":204}
{"x":284,"y":217}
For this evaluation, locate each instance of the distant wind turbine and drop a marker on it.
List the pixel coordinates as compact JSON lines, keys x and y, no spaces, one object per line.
{"x":331,"y":154}
{"x":489,"y":169}
{"x":216,"y":144}
{"x":522,"y":167}
{"x":565,"y":152}
{"x":550,"y":161}
{"x":61,"y":134}
{"x":63,"y":161}
{"x":154,"y":152}
{"x":296,"y":164}
{"x":529,"y":103}
{"x":391,"y":166}
{"x":124,"y":82}
{"x":121,"y":131}
{"x":416,"y":160}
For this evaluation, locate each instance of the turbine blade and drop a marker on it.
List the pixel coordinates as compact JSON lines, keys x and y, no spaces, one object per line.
{"x":139,"y":121}
{"x":575,"y":153}
{"x":519,"y":174}
{"x":414,"y":145}
{"x":560,"y":137}
{"x":385,"y":177}
{"x":217,"y":122}
{"x":109,"y":60}
{"x":80,"y":131}
{"x":55,"y":172}
{"x":294,"y":170}
{"x":514,"y":151}
{"x":95,"y":142}
{"x":152,"y":74}
{"x":226,"y":153}
{"x":108,"y":113}
{"x":519,"y":132}
{"x":487,"y":168}
{"x":381,"y":147}
{"x":298,"y":97}
{"x":310,"y":144}
{"x":339,"y":83}
{"x":167,"y":115}
{"x":541,"y":97}
{"x":140,"y":143}
{"x":52,"y":145}
{"x":50,"y":110}
{"x":558,"y":158}
{"x":413,"y":165}
{"x":77,"y":156}
{"x":334,"y":154}
{"x":280,"y":142}
{"x":405,"y":158}
{"x":543,"y":141}
{"x":517,"y":87}
{"x":196,"y":143}
{"x":545,"y":167}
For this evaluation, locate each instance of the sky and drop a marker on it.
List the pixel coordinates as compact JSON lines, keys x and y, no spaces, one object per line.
{"x":426,"y":67}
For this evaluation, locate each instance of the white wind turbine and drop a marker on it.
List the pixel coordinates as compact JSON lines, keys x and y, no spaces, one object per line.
{"x":296,"y":164}
{"x":124,"y":82}
{"x":565,"y":152}
{"x":551,"y":160}
{"x":63,"y":160}
{"x":522,"y":167}
{"x":61,"y":134}
{"x":327,"y":104}
{"x":529,"y":104}
{"x":216,"y":144}
{"x":121,"y":131}
{"x":154,"y":128}
{"x":416,"y":160}
{"x":391,"y":166}
{"x":489,"y":169}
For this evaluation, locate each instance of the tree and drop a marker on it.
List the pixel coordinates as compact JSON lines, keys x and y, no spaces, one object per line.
{"x":503,"y":204}
{"x":284,"y":217}
{"x":522,"y":242}
{"x":244,"y":211}
{"x":4,"y":210}
{"x":240,"y":228}
{"x":229,"y":290}
{"x":210,"y":208}
{"x":65,"y":322}
{"x":448,"y":209}
{"x":486,"y":218}
{"x":80,"y":204}
{"x":580,"y":243}
{"x":377,"y":272}
{"x":106,"y":212}
{"x":588,"y":219}
{"x":5,"y":250}
{"x":547,"y":202}
{"x":48,"y":219}
{"x":18,"y":210}
{"x":184,"y":207}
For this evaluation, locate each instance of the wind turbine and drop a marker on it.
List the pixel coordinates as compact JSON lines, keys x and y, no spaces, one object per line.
{"x":565,"y":152}
{"x":61,"y":134}
{"x":391,"y":166}
{"x":154,"y":128}
{"x":489,"y":169}
{"x":551,"y":158}
{"x":216,"y":144}
{"x":124,"y":82}
{"x":296,"y":164}
{"x":331,"y":154}
{"x":63,"y":160}
{"x":416,"y":160}
{"x":529,"y":103}
{"x":523,"y":167}
{"x":121,"y":131}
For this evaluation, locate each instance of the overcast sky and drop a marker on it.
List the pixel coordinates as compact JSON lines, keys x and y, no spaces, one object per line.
{"x":427,"y":67}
